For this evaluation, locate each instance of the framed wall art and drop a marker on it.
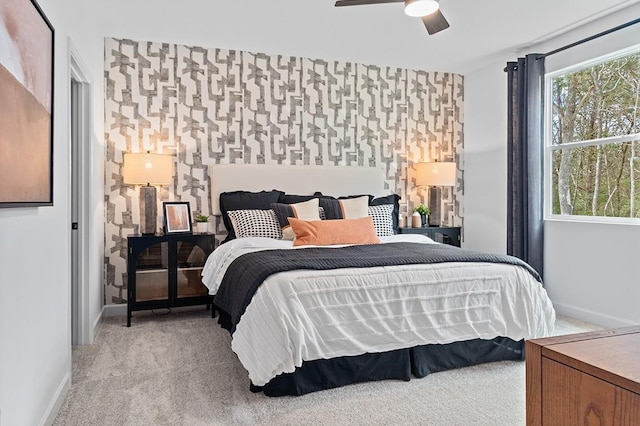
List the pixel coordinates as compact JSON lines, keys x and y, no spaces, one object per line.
{"x":177,"y":217}
{"x":26,"y":105}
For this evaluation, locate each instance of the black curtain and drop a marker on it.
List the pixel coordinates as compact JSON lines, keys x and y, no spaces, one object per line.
{"x":525,"y":226}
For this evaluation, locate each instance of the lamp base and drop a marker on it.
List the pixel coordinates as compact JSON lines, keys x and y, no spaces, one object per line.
{"x":434,"y":205}
{"x":148,"y":210}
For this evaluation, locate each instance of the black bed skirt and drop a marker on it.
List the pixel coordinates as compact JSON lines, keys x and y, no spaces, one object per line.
{"x":400,"y":364}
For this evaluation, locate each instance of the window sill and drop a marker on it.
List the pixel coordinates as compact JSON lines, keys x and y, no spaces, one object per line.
{"x":596,"y":220}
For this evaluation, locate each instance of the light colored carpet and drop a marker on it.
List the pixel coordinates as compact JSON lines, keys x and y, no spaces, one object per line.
{"x":179,"y":369}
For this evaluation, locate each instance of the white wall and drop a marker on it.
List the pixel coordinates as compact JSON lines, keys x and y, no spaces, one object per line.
{"x":590,"y":272}
{"x":485,"y":156}
{"x":35,"y":247}
{"x":35,"y":351}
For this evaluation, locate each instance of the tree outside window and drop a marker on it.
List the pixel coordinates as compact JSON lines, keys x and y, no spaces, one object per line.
{"x":594,"y":130}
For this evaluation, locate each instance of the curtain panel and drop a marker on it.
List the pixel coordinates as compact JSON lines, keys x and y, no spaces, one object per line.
{"x":525,"y":140}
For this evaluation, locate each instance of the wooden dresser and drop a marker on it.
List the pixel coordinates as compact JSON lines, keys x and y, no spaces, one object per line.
{"x":584,"y":379}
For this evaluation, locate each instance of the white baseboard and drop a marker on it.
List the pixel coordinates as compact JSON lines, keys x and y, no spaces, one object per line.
{"x":590,"y":316}
{"x":96,"y":324}
{"x":114,"y":310}
{"x":57,"y":401}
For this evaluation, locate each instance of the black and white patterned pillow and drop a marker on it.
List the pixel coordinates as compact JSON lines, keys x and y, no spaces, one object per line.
{"x":382,"y":216}
{"x":321,"y":214}
{"x":245,"y":200}
{"x":393,"y":199}
{"x":255,"y":223}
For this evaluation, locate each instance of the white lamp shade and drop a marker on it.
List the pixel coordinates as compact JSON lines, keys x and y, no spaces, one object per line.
{"x":436,"y":174}
{"x":419,"y":8}
{"x":147,"y":168}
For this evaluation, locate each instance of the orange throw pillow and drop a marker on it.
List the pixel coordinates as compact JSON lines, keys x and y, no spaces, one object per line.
{"x":338,"y":231}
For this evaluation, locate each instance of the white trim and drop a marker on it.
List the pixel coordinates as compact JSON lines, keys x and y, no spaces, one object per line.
{"x":77,"y":65}
{"x":79,"y":72}
{"x":590,"y":316}
{"x":114,"y":310}
{"x":593,"y":219}
{"x":57,"y":401}
{"x":96,"y":324}
{"x":594,"y":142}
{"x":547,"y":189}
{"x":596,"y":61}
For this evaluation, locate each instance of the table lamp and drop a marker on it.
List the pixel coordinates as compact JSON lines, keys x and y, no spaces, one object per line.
{"x":148,"y":169}
{"x":435,"y":174}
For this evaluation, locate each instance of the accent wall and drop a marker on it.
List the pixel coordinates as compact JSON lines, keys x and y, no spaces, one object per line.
{"x":213,"y":106}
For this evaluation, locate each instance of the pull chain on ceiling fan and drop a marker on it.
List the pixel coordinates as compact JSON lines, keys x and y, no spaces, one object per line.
{"x":428,"y":10}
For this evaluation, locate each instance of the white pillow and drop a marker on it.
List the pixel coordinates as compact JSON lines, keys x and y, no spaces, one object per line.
{"x":354,"y":208}
{"x":306,"y":210}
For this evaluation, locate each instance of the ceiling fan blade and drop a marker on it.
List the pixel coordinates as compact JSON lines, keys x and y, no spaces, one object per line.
{"x":435,"y":22}
{"x":364,"y":2}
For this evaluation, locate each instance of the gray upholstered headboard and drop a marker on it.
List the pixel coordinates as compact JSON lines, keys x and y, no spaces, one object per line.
{"x":301,"y":180}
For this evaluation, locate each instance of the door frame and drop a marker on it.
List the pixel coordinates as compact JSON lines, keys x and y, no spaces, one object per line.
{"x":81,"y":324}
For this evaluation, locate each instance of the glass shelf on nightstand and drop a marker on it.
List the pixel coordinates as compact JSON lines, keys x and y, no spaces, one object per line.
{"x":441,"y":234}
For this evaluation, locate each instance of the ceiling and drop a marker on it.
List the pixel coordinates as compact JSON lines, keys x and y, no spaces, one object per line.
{"x":481,"y":32}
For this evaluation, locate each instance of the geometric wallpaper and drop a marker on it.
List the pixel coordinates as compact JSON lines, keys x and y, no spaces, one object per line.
{"x":215,"y":106}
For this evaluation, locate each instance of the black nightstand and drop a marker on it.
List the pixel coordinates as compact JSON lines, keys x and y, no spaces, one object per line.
{"x":164,"y":271}
{"x":441,"y":234}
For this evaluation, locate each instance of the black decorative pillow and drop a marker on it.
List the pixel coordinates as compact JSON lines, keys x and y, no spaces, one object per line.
{"x":347,"y":197}
{"x":393,"y":199}
{"x":382,"y":216}
{"x":255,"y":223}
{"x":245,"y":200}
{"x":293,"y":199}
{"x":306,"y":210}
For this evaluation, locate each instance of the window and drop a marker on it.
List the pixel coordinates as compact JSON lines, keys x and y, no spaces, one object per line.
{"x":593,"y":138}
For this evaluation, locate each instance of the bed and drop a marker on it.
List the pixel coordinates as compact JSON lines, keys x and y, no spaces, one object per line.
{"x":307,"y":318}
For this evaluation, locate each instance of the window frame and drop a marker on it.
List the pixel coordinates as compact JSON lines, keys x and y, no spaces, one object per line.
{"x":549,"y":147}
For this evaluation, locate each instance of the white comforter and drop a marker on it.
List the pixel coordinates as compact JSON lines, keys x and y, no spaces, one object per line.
{"x":304,"y":315}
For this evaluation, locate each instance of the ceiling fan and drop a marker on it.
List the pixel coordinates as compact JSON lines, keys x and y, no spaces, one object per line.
{"x":428,"y":10}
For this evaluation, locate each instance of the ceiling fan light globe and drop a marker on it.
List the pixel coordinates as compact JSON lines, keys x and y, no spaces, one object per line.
{"x":419,"y":8}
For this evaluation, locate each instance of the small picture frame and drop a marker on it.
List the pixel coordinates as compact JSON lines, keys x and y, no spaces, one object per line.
{"x":177,"y":217}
